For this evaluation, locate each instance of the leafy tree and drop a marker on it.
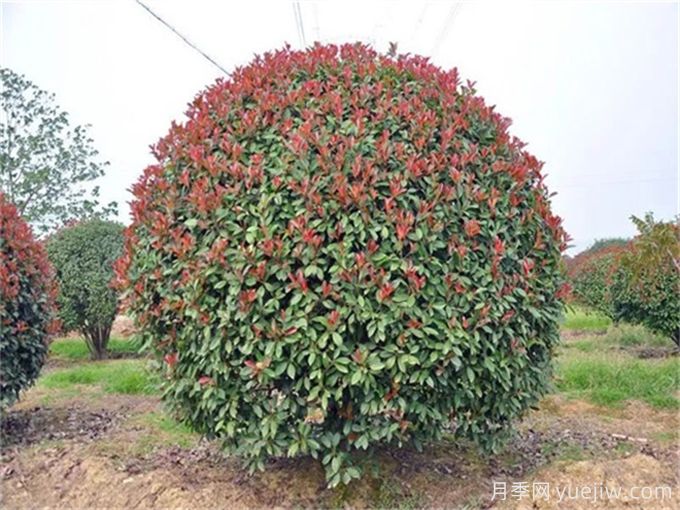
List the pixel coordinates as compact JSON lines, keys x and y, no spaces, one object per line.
{"x":637,"y":281}
{"x":46,"y":166}
{"x":601,"y":244}
{"x":646,"y":286}
{"x":83,"y":255}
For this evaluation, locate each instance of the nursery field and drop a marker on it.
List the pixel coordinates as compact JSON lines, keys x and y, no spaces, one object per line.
{"x":94,"y":434}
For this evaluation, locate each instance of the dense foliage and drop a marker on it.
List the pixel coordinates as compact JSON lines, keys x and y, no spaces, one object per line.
{"x":590,"y":275}
{"x":637,"y":281}
{"x":340,"y":249}
{"x":46,"y":165}
{"x":83,"y":255}
{"x":27,"y":294}
{"x":646,"y":286}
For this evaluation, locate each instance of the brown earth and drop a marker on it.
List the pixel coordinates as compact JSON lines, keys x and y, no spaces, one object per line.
{"x":84,"y":452}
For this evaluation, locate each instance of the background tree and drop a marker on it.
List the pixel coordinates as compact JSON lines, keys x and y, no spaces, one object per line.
{"x":45,"y":164}
{"x":647,"y":283}
{"x":636,"y":281}
{"x":590,"y":274}
{"x":83,"y":256}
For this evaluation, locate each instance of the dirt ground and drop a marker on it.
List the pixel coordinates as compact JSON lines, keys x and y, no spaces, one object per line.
{"x":86,"y":453}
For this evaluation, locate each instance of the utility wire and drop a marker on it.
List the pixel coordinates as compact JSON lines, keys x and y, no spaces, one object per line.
{"x":316,"y":21}
{"x":297,"y":12}
{"x":187,"y":41}
{"x":441,"y":36}
{"x":416,"y":27}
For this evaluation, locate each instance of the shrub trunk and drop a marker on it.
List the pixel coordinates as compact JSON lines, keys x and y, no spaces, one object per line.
{"x":97,"y":340}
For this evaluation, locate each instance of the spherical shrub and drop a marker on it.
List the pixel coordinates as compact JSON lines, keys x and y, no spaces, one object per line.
{"x":83,"y":255}
{"x":340,"y":249}
{"x":27,"y":293}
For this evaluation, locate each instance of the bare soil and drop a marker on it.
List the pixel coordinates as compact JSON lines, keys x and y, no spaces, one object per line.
{"x":85,"y":453}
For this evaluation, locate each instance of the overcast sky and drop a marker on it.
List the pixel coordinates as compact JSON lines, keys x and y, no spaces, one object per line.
{"x":592,"y":87}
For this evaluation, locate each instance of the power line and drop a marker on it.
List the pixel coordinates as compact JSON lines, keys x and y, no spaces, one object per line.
{"x":441,"y":36}
{"x":315,"y":7}
{"x":297,"y":12}
{"x":187,"y":41}
{"x":416,"y":27}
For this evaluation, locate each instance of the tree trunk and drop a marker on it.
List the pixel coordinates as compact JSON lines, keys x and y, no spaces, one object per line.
{"x":97,"y":338}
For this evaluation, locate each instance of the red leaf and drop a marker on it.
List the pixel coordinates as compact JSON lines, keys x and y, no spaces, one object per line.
{"x":171,"y":359}
{"x":472,"y":228}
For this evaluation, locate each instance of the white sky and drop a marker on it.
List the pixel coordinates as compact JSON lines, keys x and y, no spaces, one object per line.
{"x":591,"y":86}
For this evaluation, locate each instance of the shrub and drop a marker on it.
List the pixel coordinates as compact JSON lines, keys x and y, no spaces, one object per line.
{"x":636,"y":282}
{"x":83,"y":255}
{"x":647,"y":281}
{"x":590,"y":275}
{"x":27,"y":294}
{"x":340,"y":249}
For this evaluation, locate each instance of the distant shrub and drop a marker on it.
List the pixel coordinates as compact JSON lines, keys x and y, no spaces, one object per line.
{"x":590,"y":275}
{"x":27,"y":295}
{"x":341,"y":249}
{"x":83,"y":255}
{"x":646,"y":287}
{"x":637,"y":282}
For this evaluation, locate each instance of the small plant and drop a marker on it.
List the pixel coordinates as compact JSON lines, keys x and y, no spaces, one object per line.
{"x":27,"y":294}
{"x":341,"y":249}
{"x":83,"y":256}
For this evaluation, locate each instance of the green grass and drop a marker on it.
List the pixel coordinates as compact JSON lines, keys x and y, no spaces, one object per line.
{"x":579,"y":319}
{"x":626,"y":335}
{"x":172,"y":431}
{"x":622,"y":336}
{"x":129,"y":377}
{"x":609,"y":379}
{"x":76,"y":348}
{"x":588,"y":345}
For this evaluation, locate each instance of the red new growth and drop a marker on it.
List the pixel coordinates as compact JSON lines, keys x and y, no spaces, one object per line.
{"x":498,"y":246}
{"x":472,"y":228}
{"x":204,"y":380}
{"x":385,"y":292}
{"x":298,"y":280}
{"x":333,"y":317}
{"x":171,"y":359}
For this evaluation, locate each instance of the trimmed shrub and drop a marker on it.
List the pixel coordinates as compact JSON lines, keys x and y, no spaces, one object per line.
{"x":83,"y":255}
{"x":590,"y":275}
{"x":637,"y":281}
{"x":646,"y":285}
{"x":340,"y":249}
{"x":27,"y":295}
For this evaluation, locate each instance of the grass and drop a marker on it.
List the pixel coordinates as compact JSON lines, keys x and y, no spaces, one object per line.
{"x":622,"y":336}
{"x":626,"y":335}
{"x":580,"y":319}
{"x":128,"y":377}
{"x":76,"y":348}
{"x":609,"y":379}
{"x":164,"y":431}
